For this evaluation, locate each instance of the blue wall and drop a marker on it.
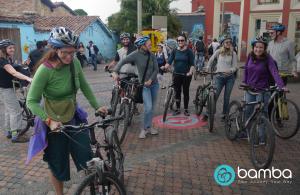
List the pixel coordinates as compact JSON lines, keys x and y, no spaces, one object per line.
{"x":103,"y":39}
{"x":27,"y":35}
{"x":96,"y":32}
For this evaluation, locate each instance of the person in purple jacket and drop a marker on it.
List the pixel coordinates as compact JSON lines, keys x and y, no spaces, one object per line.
{"x":259,"y":69}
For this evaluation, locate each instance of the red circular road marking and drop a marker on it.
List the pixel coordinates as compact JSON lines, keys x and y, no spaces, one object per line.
{"x":179,"y":122}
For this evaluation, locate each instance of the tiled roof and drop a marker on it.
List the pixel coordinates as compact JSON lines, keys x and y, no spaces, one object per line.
{"x":16,"y":19}
{"x":74,"y":23}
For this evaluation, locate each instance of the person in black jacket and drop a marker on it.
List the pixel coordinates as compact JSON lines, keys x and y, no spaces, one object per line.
{"x":93,"y":52}
{"x":36,"y":54}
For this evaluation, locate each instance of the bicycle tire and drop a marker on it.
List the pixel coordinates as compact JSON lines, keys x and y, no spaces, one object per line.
{"x":211,"y":110}
{"x":123,"y":111}
{"x":167,"y":102}
{"x":280,"y":128}
{"x":114,"y":101}
{"x":131,"y":111}
{"x":269,"y":142}
{"x":116,"y":155}
{"x":199,"y":101}
{"x":107,"y":179}
{"x":233,"y":117}
{"x":27,"y":117}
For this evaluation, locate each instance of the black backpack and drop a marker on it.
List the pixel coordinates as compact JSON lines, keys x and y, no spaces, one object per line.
{"x":210,"y":50}
{"x":200,"y":47}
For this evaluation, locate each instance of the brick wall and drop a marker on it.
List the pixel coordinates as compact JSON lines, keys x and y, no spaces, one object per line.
{"x":16,"y":7}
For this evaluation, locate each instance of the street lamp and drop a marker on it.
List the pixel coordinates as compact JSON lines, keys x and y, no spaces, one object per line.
{"x":139,"y":16}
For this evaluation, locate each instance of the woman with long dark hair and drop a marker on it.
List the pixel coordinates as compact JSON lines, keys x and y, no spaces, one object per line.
{"x":12,"y":110}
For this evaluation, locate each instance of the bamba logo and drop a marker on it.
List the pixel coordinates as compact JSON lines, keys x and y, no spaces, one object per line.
{"x":264,"y":173}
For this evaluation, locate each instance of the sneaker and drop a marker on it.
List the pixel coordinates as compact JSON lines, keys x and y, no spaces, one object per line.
{"x":153,"y":131}
{"x":163,"y":87}
{"x":143,"y":134}
{"x":19,"y":139}
{"x":186,"y":112}
{"x":205,"y":118}
{"x":8,"y":134}
{"x":176,"y":112}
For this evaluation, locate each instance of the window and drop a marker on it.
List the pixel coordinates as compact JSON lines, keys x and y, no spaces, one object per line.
{"x":262,"y":2}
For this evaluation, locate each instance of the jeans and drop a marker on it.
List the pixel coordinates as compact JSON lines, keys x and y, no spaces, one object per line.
{"x":94,"y":60}
{"x":149,"y":97}
{"x":199,"y":60}
{"x":250,"y":109}
{"x":227,"y":81}
{"x":183,"y":82}
{"x":12,"y":109}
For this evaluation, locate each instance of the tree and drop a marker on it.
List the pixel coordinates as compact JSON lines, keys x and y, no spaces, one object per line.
{"x":80,"y":12}
{"x":126,"y":18}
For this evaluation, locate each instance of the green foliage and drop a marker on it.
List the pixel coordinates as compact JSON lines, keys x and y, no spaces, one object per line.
{"x":80,"y":12}
{"x":126,"y":19}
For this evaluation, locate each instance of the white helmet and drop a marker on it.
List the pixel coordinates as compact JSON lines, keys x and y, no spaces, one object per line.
{"x":63,"y":37}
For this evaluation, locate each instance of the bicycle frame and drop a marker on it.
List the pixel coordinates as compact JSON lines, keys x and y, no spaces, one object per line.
{"x":246,"y":123}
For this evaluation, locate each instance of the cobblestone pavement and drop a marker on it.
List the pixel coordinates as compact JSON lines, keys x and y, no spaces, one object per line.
{"x":174,"y":162}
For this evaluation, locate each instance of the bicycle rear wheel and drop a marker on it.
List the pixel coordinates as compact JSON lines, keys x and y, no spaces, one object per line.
{"x":132,"y":106}
{"x":199,"y":100}
{"x":115,"y":155}
{"x":233,"y":120}
{"x":262,"y":143}
{"x":287,"y":126}
{"x":211,"y":110}
{"x":107,"y":184}
{"x":167,"y":102}
{"x":122,"y":125}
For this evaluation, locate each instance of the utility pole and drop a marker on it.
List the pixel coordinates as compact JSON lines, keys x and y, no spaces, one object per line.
{"x":139,"y":16}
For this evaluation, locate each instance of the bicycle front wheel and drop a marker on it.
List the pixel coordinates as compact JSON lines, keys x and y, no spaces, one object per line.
{"x":115,"y":98}
{"x":122,"y":125}
{"x":107,"y":184}
{"x":115,"y":155}
{"x":167,"y":102}
{"x":233,"y":120}
{"x":27,"y":119}
{"x":262,"y":143}
{"x":285,"y":122}
{"x":199,"y":100}
{"x":211,"y":110}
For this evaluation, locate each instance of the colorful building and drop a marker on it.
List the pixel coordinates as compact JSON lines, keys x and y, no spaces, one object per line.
{"x":256,"y":16}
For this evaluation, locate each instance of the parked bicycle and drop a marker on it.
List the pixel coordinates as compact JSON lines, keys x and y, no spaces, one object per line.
{"x":169,"y":102}
{"x":21,"y":89}
{"x":123,"y":95}
{"x":284,"y":115}
{"x":205,"y":97}
{"x":257,"y":127}
{"x":104,"y":174}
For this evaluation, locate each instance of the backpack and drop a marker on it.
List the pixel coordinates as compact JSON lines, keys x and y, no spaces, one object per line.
{"x":200,"y":47}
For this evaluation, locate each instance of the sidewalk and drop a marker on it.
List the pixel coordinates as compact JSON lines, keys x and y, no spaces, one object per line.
{"x":174,"y":162}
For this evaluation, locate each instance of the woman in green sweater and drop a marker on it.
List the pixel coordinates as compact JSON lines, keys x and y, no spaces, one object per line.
{"x":57,"y":79}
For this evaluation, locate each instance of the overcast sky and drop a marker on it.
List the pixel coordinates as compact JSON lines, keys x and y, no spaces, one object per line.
{"x":105,"y":8}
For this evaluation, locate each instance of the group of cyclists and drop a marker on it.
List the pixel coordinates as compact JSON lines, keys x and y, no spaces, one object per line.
{"x":59,"y":75}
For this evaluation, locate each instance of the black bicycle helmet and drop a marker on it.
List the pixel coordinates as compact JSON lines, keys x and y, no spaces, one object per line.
{"x":5,"y":43}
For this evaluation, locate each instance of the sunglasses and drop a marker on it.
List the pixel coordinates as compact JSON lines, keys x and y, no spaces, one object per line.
{"x":180,"y":40}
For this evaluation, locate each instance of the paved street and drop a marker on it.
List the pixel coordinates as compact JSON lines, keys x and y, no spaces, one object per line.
{"x":174,"y":162}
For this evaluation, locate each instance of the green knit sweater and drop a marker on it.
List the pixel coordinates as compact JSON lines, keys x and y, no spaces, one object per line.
{"x":56,"y":84}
